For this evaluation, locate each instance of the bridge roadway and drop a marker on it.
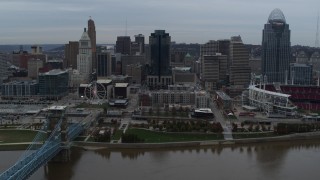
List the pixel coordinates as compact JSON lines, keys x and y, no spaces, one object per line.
{"x":28,"y":165}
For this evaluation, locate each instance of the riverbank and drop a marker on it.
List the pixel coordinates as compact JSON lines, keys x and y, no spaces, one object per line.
{"x":101,"y":145}
{"x":291,"y":137}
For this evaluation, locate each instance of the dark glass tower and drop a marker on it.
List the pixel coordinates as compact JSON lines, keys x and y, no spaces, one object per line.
{"x":159,"y":43}
{"x":276,"y":48}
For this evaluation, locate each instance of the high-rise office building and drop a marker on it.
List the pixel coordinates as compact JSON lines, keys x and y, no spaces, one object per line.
{"x":160,"y":75}
{"x":159,"y":42}
{"x":239,"y":70}
{"x":71,"y":51}
{"x":139,"y":39}
{"x":54,"y":83}
{"x":214,"y":68}
{"x":315,"y":61}
{"x":209,"y":48}
{"x":131,"y":60}
{"x":224,"y":49}
{"x":33,"y":68}
{"x":103,"y":64}
{"x":92,"y":35}
{"x":21,"y":58}
{"x":84,"y":58}
{"x":300,"y":74}
{"x":123,"y":45}
{"x":136,"y":72}
{"x":276,"y":48}
{"x":239,"y":63}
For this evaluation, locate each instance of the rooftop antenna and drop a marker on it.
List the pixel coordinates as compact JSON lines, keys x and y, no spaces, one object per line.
{"x":126,"y":27}
{"x":317,"y":33}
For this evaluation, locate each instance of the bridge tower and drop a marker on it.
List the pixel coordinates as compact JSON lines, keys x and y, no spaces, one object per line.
{"x":55,"y":114}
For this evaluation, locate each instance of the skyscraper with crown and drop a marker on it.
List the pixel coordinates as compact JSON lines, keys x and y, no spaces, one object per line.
{"x":276,"y":48}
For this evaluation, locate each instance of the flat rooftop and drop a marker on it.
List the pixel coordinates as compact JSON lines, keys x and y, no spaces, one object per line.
{"x":57,"y":108}
{"x":223,"y":95}
{"x":104,"y":81}
{"x":121,"y":84}
{"x":83,"y":85}
{"x":54,"y":72}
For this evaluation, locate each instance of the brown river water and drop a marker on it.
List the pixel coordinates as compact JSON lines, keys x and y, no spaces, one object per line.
{"x":281,"y":160}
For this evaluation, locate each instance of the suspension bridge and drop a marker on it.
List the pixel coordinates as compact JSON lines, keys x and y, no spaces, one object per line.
{"x":55,"y":147}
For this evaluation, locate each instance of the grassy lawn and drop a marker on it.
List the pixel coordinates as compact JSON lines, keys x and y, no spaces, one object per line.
{"x":117,"y":135}
{"x":159,"y":137}
{"x":80,"y":138}
{"x":253,"y":135}
{"x":13,"y":147}
{"x":14,"y":136}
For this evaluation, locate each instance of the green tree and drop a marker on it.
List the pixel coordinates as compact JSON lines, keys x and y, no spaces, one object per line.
{"x":187,"y":109}
{"x":234,"y":127}
{"x":250,"y":128}
{"x":166,"y":110}
{"x":257,"y":127}
{"x":174,"y":111}
{"x":158,"y":110}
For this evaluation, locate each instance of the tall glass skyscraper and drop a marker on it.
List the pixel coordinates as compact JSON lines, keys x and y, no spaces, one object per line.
{"x":159,"y":43}
{"x":276,"y":48}
{"x":159,"y":75}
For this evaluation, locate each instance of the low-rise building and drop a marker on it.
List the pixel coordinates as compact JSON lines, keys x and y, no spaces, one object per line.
{"x":183,"y":75}
{"x":202,"y":99}
{"x":121,"y":90}
{"x":16,"y":89}
{"x":223,"y":100}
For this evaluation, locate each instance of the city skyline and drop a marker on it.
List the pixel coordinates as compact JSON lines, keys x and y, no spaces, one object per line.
{"x":33,"y":22}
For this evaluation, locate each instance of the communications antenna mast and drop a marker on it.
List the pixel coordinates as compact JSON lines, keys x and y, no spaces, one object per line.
{"x":126,"y":28}
{"x":317,"y":33}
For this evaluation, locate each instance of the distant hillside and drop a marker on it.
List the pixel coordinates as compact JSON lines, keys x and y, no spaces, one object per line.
{"x":59,"y":48}
{"x":27,"y":47}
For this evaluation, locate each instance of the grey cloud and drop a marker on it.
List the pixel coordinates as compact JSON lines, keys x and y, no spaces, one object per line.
{"x":185,"y":20}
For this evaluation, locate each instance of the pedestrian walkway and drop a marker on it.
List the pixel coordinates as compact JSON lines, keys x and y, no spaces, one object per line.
{"x":227,"y":128}
{"x":123,"y":126}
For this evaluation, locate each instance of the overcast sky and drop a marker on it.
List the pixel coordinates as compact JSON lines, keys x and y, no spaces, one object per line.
{"x":189,"y":21}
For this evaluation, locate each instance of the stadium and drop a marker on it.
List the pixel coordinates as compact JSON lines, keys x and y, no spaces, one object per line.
{"x":282,"y":100}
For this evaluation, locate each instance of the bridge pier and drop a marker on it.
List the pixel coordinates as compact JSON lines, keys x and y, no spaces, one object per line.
{"x":46,"y":169}
{"x":63,"y":155}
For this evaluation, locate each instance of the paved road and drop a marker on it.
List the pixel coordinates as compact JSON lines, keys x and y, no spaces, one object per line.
{"x":227,"y":128}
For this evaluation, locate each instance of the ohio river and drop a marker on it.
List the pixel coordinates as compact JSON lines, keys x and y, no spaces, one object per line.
{"x":283,"y":161}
